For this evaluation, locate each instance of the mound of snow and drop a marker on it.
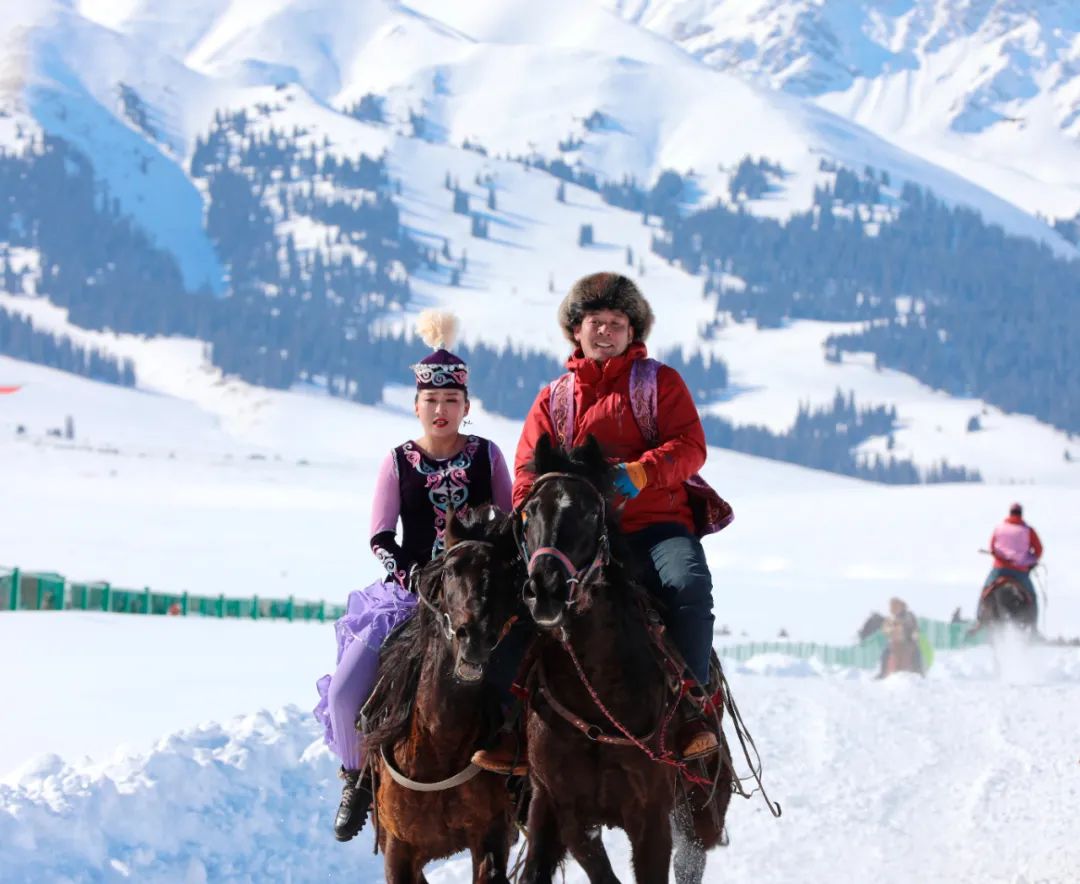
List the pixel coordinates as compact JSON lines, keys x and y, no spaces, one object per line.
{"x":242,"y":801}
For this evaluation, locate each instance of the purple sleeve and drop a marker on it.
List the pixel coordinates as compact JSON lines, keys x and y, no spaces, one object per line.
{"x":501,"y":486}
{"x":386,"y":501}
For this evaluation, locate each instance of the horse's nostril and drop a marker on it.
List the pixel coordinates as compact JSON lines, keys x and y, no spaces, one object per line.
{"x":462,"y":633}
{"x":529,"y":592}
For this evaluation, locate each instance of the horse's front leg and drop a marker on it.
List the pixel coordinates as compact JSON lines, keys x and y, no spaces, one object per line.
{"x":546,"y":848}
{"x":588,"y":849}
{"x":491,"y":854}
{"x":400,"y":864}
{"x":688,"y":859}
{"x":649,"y":832}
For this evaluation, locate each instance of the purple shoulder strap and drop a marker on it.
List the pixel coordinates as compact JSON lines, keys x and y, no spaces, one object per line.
{"x":561,"y":404}
{"x":643,"y":374}
{"x":710,"y":511}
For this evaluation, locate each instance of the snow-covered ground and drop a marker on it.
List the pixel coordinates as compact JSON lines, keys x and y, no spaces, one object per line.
{"x":964,"y":777}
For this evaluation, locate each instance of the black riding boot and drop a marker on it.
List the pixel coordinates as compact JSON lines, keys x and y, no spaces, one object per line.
{"x":355,"y":803}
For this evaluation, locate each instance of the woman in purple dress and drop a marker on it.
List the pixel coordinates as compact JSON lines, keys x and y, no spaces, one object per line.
{"x":418,"y":483}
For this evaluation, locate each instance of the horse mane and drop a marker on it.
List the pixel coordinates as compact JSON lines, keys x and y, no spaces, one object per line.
{"x":403,"y":654}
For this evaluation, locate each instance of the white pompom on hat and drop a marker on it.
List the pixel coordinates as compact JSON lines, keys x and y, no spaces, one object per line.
{"x":437,"y":328}
{"x":442,"y":370}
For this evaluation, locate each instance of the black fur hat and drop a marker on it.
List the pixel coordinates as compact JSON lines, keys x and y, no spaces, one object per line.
{"x":605,"y":291}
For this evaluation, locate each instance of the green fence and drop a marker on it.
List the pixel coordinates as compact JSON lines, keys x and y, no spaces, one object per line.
{"x":44,"y":591}
{"x":866,"y":655}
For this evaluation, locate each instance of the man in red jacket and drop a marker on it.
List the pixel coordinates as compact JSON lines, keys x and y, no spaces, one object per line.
{"x":607,"y":319}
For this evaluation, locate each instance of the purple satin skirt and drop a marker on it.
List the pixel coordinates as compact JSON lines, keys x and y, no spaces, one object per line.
{"x":372,"y":613}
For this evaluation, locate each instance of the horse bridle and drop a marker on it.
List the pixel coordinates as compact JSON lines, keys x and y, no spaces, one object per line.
{"x":442,"y":617}
{"x":576,"y":578}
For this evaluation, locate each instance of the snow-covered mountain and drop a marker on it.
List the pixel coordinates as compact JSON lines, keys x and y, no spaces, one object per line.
{"x":133,"y":85}
{"x":988,"y":88}
{"x":468,"y":91}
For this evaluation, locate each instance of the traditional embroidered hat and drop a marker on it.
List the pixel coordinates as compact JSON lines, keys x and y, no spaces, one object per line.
{"x":442,"y":370}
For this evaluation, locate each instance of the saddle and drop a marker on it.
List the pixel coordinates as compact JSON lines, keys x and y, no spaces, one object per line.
{"x":1005,"y":580}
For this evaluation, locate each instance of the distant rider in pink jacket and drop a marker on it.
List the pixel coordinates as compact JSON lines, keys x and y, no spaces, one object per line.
{"x":1016,"y":549}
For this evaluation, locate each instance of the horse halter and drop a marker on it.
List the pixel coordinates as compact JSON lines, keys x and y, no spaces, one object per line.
{"x":442,"y":617}
{"x":576,"y":578}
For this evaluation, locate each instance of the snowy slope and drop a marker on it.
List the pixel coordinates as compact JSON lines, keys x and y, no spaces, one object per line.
{"x":952,"y":779}
{"x":529,"y":260}
{"x":990,"y":90}
{"x":516,"y":79}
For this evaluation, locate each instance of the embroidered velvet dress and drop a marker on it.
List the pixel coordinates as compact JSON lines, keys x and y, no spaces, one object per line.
{"x":419,"y":490}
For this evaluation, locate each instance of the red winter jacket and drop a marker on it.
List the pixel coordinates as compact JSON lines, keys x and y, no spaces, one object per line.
{"x":1015,"y":544}
{"x":602,"y":407}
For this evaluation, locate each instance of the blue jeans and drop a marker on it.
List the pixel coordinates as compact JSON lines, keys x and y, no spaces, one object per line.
{"x":674,"y":570}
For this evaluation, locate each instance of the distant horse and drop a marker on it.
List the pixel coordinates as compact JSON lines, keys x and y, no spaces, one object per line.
{"x":431,"y":801}
{"x":1005,"y":601}
{"x":602,"y":714}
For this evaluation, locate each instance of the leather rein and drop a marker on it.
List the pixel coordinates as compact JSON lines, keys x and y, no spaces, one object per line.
{"x":578,"y":578}
{"x":442,"y":618}
{"x":714,"y":705}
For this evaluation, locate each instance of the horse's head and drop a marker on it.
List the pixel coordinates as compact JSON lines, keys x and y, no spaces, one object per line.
{"x":872,"y":625}
{"x":563,"y":529}
{"x":471,"y":588}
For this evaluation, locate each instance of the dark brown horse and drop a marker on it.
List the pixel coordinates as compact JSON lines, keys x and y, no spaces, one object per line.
{"x":1003,"y":602}
{"x":431,"y":802}
{"x":601,"y":720}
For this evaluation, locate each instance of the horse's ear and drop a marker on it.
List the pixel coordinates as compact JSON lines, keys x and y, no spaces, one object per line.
{"x":455,"y":531}
{"x":503,"y":534}
{"x":471,"y":524}
{"x":542,"y":454}
{"x":428,"y":581}
{"x":592,"y":455}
